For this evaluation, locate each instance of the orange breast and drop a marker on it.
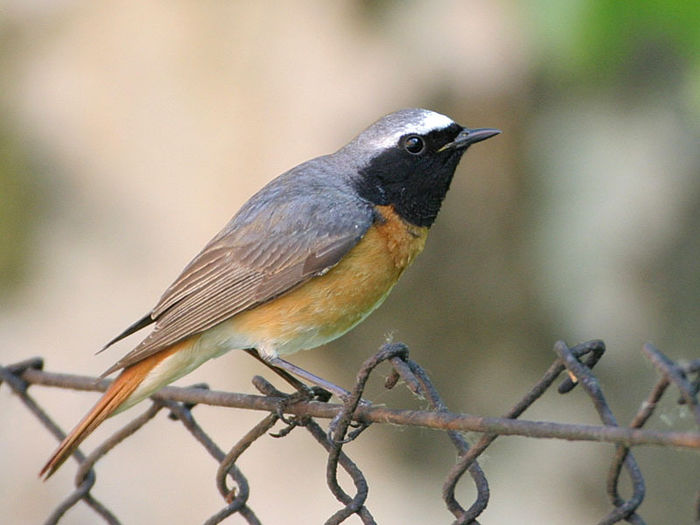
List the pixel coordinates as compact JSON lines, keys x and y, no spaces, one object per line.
{"x":327,"y":306}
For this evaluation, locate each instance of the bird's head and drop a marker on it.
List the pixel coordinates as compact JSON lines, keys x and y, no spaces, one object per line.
{"x":407,"y":160}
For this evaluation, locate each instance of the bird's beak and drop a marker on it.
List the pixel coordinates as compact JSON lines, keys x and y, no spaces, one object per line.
{"x":467,"y":137}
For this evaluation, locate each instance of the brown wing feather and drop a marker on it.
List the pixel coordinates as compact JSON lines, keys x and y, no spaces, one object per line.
{"x":246,"y":265}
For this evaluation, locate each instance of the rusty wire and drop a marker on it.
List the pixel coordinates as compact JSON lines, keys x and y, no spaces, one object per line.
{"x":298,"y":410}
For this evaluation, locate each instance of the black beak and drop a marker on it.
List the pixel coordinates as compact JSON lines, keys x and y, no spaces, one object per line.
{"x":467,"y":137}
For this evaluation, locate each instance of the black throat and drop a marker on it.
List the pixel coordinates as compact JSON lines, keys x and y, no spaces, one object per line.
{"x":415,"y":185}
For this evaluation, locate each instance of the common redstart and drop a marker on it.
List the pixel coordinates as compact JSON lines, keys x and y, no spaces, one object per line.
{"x":306,"y":259}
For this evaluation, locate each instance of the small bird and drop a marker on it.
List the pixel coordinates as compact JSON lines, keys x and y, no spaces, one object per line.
{"x":307,"y":258}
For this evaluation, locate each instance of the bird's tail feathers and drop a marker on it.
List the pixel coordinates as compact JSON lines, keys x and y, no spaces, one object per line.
{"x":111,"y":401}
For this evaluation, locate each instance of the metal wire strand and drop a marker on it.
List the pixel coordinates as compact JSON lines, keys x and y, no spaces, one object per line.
{"x":623,"y":509}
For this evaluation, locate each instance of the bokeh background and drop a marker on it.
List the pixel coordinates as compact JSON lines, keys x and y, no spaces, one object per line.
{"x":131,"y":131}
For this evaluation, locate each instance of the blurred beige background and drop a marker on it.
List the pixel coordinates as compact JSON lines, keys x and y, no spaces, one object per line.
{"x":130,"y":132}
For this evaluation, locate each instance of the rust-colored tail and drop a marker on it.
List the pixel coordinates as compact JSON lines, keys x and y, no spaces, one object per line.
{"x":118,"y":392}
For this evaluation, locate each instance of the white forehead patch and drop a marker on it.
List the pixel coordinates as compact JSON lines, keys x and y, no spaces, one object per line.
{"x":432,"y":121}
{"x":420,"y":124}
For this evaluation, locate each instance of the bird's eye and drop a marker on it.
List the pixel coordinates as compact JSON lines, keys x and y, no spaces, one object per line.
{"x":414,"y":145}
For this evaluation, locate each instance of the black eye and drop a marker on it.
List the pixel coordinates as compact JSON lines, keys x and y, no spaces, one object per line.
{"x":414,"y":145}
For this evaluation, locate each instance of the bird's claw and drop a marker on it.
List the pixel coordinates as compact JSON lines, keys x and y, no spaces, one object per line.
{"x":313,"y":393}
{"x":359,"y":426}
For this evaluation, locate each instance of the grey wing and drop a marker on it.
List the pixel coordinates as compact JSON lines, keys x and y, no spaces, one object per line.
{"x":262,"y":253}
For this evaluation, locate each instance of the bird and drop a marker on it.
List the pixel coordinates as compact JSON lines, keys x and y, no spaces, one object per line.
{"x":303,"y":261}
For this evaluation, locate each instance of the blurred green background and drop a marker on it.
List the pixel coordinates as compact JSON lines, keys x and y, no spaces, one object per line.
{"x":130,"y":132}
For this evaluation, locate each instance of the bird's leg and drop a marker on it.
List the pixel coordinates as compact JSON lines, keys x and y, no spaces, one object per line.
{"x":304,"y":393}
{"x":286,"y":366}
{"x":283,"y":374}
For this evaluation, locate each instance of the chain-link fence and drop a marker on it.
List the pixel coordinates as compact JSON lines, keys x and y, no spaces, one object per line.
{"x":302,"y":409}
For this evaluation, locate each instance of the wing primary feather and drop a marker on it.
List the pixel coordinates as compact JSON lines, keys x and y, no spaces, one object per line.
{"x":205,"y":268}
{"x":138,"y":325}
